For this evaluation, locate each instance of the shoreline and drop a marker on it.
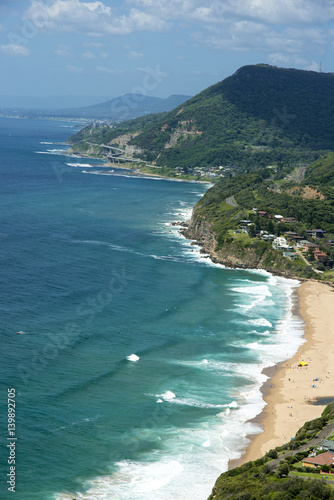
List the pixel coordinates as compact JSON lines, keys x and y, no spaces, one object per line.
{"x":137,"y":173}
{"x":291,"y":391}
{"x":145,"y":175}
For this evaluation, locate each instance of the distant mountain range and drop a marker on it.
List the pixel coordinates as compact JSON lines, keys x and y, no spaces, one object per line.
{"x":125,"y":107}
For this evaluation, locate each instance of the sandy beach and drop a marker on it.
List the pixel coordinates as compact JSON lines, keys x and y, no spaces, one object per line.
{"x":292,"y":387}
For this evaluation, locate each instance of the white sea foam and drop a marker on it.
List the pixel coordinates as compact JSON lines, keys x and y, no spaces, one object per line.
{"x":167,"y":257}
{"x":194,"y":403}
{"x":167,"y":396}
{"x":186,"y":466}
{"x":171,"y":397}
{"x":260,"y":322}
{"x":80,"y":165}
{"x":224,"y":433}
{"x":228,"y":369}
{"x":267,"y":332}
{"x":190,"y":459}
{"x":133,"y":357}
{"x":52,"y":152}
{"x":262,"y":290}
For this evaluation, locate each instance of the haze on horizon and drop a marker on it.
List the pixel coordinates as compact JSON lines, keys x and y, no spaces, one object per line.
{"x":155,"y":47}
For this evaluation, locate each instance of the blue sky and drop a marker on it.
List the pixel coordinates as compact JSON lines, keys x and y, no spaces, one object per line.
{"x":155,"y":47}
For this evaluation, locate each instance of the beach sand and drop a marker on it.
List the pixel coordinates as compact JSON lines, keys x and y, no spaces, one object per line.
{"x":291,"y":388}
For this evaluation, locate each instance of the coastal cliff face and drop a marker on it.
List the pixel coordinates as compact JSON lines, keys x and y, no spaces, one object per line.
{"x":231,"y":254}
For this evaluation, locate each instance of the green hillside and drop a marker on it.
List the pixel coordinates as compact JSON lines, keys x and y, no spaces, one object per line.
{"x":303,"y":205}
{"x":321,"y":172}
{"x":258,"y":116}
{"x":265,"y":190}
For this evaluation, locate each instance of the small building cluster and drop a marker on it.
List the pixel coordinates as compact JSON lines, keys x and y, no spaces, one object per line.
{"x":204,"y":171}
{"x":290,"y":243}
{"x":292,"y":240}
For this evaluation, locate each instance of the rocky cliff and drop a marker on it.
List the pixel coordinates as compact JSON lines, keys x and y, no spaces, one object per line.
{"x":231,"y":254}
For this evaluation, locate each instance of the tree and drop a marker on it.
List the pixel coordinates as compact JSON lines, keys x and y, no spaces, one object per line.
{"x":310,"y":254}
{"x":271,"y":454}
{"x":282,"y":469}
{"x":270,"y":227}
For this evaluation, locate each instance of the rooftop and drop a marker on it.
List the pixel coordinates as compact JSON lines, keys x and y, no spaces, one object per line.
{"x":323,"y":459}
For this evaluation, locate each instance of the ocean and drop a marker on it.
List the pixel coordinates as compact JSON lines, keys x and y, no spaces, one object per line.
{"x":134,"y":361}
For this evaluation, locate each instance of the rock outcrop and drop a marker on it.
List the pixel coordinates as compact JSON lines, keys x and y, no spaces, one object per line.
{"x":232,"y":254}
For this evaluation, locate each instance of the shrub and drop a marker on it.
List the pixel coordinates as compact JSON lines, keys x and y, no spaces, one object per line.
{"x":282,"y":469}
{"x":271,"y":454}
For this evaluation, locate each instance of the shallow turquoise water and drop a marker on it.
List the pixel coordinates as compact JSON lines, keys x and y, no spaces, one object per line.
{"x":139,"y":361}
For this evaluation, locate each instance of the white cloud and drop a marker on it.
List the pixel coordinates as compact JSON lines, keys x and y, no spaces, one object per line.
{"x":65,"y":14}
{"x":74,"y":69}
{"x":314,"y":66}
{"x":101,"y":69}
{"x":293,"y":61}
{"x":280,"y":59}
{"x":240,"y":25}
{"x":269,"y":11}
{"x":70,"y":12}
{"x":88,"y":55}
{"x":135,"y":55}
{"x":92,"y":45}
{"x":245,"y":25}
{"x":91,"y":18}
{"x":136,"y":20}
{"x":63,"y":51}
{"x":15,"y":50}
{"x":284,"y":11}
{"x":248,"y":35}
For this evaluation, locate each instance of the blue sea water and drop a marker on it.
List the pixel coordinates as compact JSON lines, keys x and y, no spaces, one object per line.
{"x":139,"y":361}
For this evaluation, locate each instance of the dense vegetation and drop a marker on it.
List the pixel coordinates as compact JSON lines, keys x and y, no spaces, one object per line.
{"x":105,"y":133}
{"x":256,"y":117}
{"x":321,"y":173}
{"x":262,"y":190}
{"x":310,"y":201}
{"x":264,"y":479}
